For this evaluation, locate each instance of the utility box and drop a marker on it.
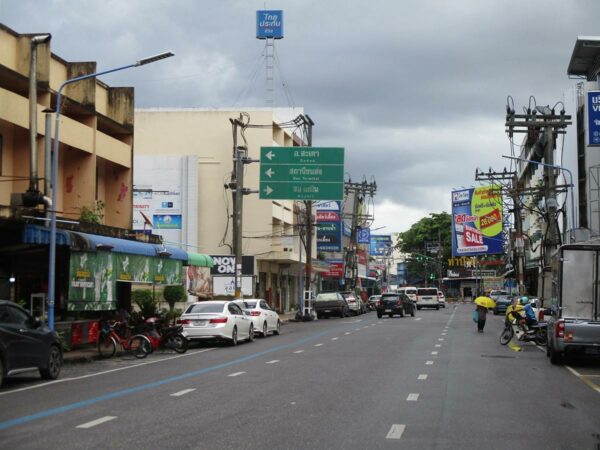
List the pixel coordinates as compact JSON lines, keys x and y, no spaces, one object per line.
{"x":309,"y":299}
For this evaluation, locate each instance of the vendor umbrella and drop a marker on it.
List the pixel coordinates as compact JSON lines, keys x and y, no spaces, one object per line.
{"x":486,"y":302}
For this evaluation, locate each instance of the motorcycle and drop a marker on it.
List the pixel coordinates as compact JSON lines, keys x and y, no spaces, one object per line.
{"x":537,"y":333}
{"x":165,"y":337}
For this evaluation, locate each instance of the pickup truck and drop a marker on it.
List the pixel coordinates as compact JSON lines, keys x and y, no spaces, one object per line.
{"x":574,"y":324}
{"x":330,"y":304}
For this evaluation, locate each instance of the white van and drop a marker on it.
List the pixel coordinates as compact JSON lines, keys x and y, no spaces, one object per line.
{"x":427,"y":298}
{"x":410,"y":291}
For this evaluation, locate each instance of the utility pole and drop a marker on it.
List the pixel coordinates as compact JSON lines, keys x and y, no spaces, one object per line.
{"x":360,"y":191}
{"x":238,"y":191}
{"x":308,"y":123}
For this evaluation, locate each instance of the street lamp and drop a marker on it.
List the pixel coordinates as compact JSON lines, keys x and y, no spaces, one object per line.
{"x":554,"y":166}
{"x":54,"y":174}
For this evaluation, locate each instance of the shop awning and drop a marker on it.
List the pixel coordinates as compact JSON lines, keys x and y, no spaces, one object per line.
{"x":199,"y":259}
{"x":35,"y":234}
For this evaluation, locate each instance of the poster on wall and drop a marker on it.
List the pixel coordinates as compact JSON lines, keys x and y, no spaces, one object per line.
{"x":157,"y":210}
{"x":198,"y":282}
{"x":91,"y":282}
{"x":593,"y":112}
{"x":226,"y":285}
{"x":477,"y":221}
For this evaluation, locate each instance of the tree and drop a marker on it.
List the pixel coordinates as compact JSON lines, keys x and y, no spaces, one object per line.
{"x":172,"y":295}
{"x":144,"y":300}
{"x":436,"y":228}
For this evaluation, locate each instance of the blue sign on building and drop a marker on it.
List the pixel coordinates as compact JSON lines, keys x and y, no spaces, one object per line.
{"x":269,"y":24}
{"x":380,"y":244}
{"x":363,"y":235}
{"x":593,"y":108}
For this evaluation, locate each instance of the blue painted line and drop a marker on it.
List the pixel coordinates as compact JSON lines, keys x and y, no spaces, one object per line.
{"x":82,"y":404}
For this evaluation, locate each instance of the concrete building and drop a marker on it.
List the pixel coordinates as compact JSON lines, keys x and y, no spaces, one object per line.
{"x":190,"y":153}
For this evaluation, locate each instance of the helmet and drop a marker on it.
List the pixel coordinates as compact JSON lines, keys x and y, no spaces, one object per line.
{"x":524,"y":300}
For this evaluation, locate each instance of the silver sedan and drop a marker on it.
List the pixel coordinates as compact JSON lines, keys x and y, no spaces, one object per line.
{"x":222,"y":320}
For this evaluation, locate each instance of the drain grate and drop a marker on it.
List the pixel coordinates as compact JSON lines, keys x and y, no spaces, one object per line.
{"x":498,"y":356}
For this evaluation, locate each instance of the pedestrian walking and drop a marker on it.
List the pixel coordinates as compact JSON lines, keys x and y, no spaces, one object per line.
{"x":482,"y":315}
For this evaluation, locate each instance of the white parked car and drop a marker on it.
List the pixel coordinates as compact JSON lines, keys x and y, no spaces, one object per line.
{"x":264,"y":319}
{"x":222,"y":320}
{"x":441,"y":299}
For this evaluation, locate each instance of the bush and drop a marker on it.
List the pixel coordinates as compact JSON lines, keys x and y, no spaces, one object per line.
{"x":144,"y":300}
{"x":172,"y":295}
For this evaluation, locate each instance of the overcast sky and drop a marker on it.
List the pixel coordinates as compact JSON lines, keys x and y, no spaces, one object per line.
{"x":414,"y":90}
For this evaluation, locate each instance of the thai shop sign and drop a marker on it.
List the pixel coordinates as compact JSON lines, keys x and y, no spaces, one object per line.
{"x":329,"y":230}
{"x":477,"y":221}
{"x":92,"y":277}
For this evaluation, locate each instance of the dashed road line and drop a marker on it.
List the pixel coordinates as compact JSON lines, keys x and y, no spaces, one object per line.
{"x":440,"y":339}
{"x":272,"y":361}
{"x":584,"y":378}
{"x":417,"y":318}
{"x":99,"y":421}
{"x":236,"y":374}
{"x":318,"y":345}
{"x":429,"y":363}
{"x":347,"y":333}
{"x":438,"y":345}
{"x":423,"y":376}
{"x":396,"y":431}
{"x":412,"y":397}
{"x":334,"y":338}
{"x":299,"y":351}
{"x":180,"y":393}
{"x":434,"y":353}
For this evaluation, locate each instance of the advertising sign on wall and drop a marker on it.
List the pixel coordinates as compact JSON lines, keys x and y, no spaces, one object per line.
{"x":225,"y":265}
{"x":336,"y":269}
{"x":226,"y":285}
{"x":363,"y":235}
{"x":477,"y":221}
{"x":329,"y":229}
{"x":593,"y":108}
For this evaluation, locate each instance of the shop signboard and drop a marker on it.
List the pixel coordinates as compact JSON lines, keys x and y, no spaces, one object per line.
{"x":477,"y":221}
{"x":91,"y":282}
{"x":225,"y":265}
{"x":593,"y":111}
{"x":269,"y":24}
{"x":225,"y":285}
{"x":329,"y":233}
{"x":336,"y":269}
{"x":363,"y":235}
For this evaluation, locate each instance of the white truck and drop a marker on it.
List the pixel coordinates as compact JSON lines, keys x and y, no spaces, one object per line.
{"x":574,"y":323}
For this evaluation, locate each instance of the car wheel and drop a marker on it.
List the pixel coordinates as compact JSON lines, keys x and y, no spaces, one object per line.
{"x":437,"y":308}
{"x":418,"y":308}
{"x":234,"y":337}
{"x":402,"y":313}
{"x":555,"y":357}
{"x":391,"y":315}
{"x":379,"y":315}
{"x":265,"y":330}
{"x":277,"y":330}
{"x":412,"y":312}
{"x":1,"y":372}
{"x":53,"y":365}
{"x":251,"y":334}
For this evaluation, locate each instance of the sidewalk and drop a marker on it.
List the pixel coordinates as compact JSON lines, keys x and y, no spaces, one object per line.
{"x":89,"y":353}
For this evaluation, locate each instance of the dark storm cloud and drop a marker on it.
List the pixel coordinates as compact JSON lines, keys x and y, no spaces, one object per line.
{"x":414,"y":90}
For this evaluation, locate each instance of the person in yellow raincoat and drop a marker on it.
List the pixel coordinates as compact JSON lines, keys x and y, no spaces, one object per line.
{"x":515,"y":311}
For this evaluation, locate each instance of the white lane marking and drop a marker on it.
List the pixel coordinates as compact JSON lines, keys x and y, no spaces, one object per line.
{"x":584,"y":378}
{"x":443,"y":334}
{"x":236,"y":374}
{"x":573,"y":371}
{"x":272,"y":362}
{"x":347,"y":333}
{"x":440,"y":339}
{"x":417,"y":318}
{"x":429,"y":363}
{"x":396,"y":431}
{"x":366,"y":326}
{"x":438,"y":345}
{"x":95,"y":374}
{"x":423,"y":376}
{"x":318,"y":345}
{"x":335,"y":338}
{"x":434,"y":353}
{"x":412,"y":397}
{"x":180,"y":393}
{"x":299,"y":351}
{"x":93,"y":423}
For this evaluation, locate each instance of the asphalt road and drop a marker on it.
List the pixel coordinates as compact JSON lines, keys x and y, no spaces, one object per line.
{"x":430,"y":382}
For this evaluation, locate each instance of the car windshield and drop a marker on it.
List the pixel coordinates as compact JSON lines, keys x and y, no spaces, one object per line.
{"x":410,"y":291}
{"x":427,"y":291}
{"x":390,"y":297}
{"x":204,"y":308}
{"x":325,"y":297}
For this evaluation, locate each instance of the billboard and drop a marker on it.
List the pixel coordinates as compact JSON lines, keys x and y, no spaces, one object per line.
{"x":329,"y":226}
{"x":593,"y":108}
{"x":477,"y":221}
{"x":380,"y":244}
{"x":269,"y":24}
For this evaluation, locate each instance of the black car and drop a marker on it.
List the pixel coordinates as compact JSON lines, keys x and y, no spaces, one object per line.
{"x":25,"y":344}
{"x":391,"y":304}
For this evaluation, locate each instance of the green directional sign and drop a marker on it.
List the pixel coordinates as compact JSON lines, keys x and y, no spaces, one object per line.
{"x":302,"y":173}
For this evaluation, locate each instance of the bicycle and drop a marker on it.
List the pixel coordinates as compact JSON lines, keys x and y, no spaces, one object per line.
{"x":138,"y":345}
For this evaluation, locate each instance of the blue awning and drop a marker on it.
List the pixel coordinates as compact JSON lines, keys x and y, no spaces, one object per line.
{"x":35,"y":234}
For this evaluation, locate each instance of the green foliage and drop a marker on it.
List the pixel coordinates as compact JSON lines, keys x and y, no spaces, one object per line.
{"x":173,"y":294}
{"x":144,"y":300}
{"x":94,"y":214}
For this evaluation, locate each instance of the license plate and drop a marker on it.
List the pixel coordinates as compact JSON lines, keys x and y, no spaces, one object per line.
{"x":199,"y":323}
{"x":327,"y":310}
{"x":592,"y":351}
{"x":388,"y":310}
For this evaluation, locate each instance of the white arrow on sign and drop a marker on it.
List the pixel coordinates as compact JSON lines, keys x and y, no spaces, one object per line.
{"x":268,"y":190}
{"x":270,"y":172}
{"x":270,"y":155}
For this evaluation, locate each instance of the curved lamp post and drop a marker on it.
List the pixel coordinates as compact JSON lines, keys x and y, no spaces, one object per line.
{"x":54,"y":174}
